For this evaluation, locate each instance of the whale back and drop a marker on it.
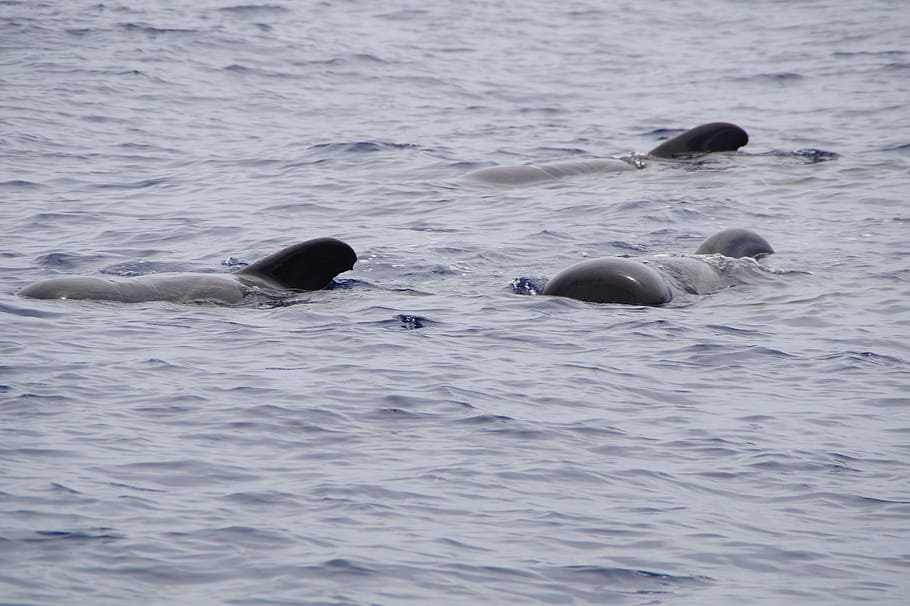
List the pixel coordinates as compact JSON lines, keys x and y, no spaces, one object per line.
{"x":611,"y":280}
{"x":712,"y":137}
{"x":309,"y":265}
{"x":736,"y":243}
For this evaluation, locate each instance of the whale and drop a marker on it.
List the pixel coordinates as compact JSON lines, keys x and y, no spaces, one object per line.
{"x":654,"y":281}
{"x":703,"y":139}
{"x":304,"y":266}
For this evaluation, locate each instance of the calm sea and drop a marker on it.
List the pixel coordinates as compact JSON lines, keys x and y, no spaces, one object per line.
{"x":423,"y":434}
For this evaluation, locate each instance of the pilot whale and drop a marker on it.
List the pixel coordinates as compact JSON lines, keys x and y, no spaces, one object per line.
{"x":309,"y":265}
{"x":707,"y":138}
{"x":654,"y":280}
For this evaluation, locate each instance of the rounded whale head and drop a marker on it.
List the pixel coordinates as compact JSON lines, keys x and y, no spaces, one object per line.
{"x":309,"y":265}
{"x":736,"y":243}
{"x":707,"y":138}
{"x":611,"y":280}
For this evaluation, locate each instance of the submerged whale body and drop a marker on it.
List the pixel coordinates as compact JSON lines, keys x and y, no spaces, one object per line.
{"x":309,"y":265}
{"x":652,"y":281}
{"x":707,"y":138}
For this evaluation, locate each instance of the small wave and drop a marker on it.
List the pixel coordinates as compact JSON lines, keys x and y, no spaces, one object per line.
{"x":900,"y":147}
{"x":360,"y":146}
{"x":624,"y":577}
{"x":866,"y":357}
{"x":133,"y":185}
{"x":20,"y":184}
{"x":484,"y":419}
{"x":74,"y":535}
{"x":152,"y":30}
{"x":778,"y":77}
{"x":864,"y":53}
{"x":26,"y":312}
{"x":254,"y":9}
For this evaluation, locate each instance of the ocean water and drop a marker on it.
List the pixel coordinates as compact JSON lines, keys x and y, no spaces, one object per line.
{"x":423,"y":433}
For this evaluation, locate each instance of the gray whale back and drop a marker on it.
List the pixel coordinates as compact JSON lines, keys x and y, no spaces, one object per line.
{"x":178,"y":287}
{"x":528,"y":174}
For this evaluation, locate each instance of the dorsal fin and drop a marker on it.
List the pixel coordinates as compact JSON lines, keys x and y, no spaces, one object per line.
{"x":309,"y":265}
{"x":712,"y":137}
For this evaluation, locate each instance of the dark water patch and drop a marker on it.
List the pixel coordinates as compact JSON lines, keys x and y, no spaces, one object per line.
{"x":66,"y":260}
{"x":805,"y":155}
{"x":527,"y":286}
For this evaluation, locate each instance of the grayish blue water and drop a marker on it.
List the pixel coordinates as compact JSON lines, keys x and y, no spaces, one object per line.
{"x":423,"y":434}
